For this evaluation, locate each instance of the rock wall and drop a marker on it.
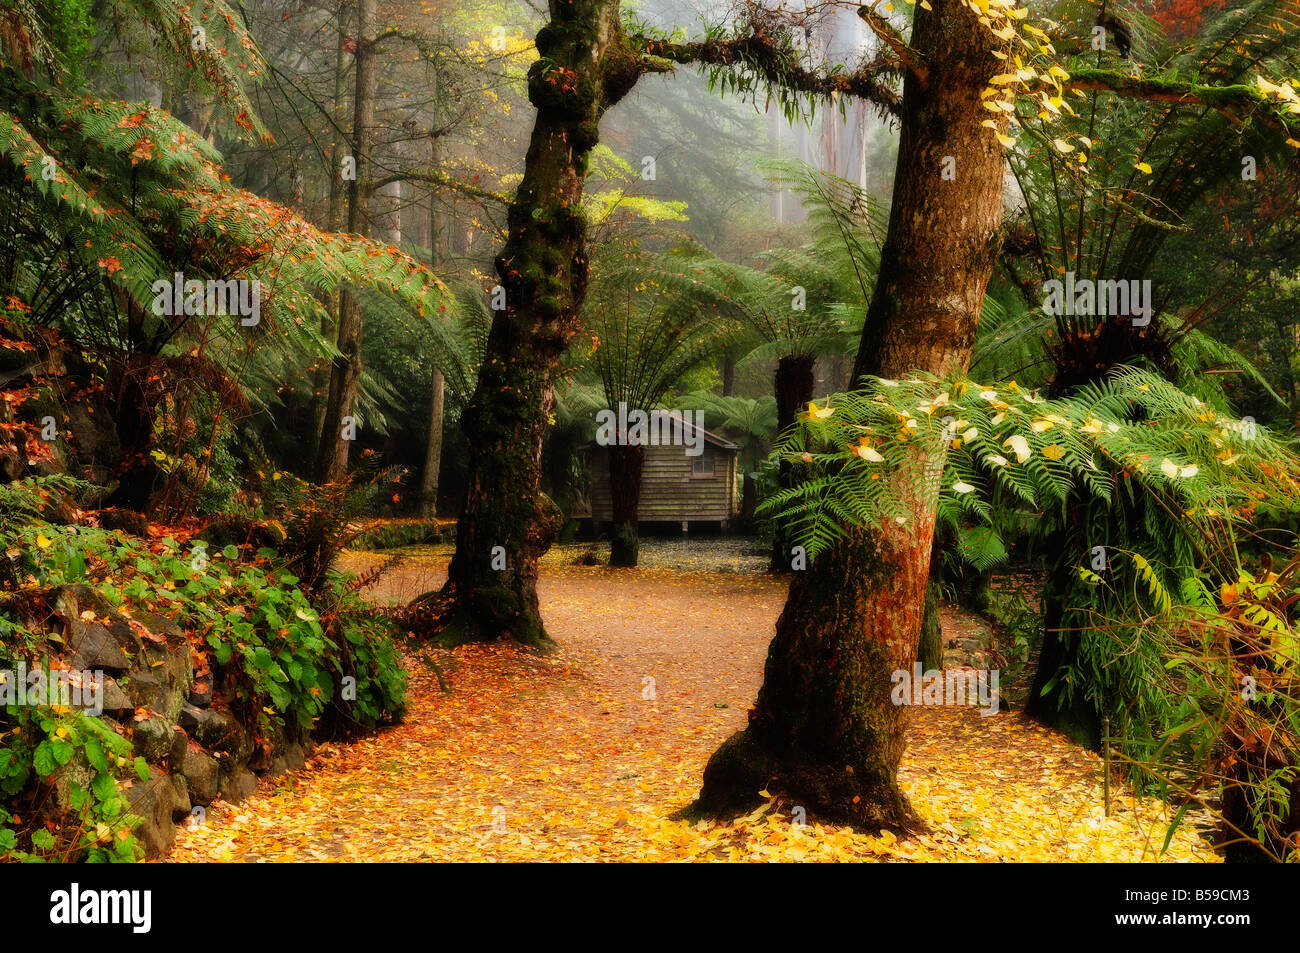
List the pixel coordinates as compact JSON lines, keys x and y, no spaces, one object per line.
{"x":198,"y":751}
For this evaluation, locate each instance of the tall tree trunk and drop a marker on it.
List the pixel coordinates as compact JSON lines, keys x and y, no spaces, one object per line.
{"x":794,"y":385}
{"x":332,"y":460}
{"x":625,"y":465}
{"x":824,"y":731}
{"x":506,"y":522}
{"x":337,"y":218}
{"x":433,"y":438}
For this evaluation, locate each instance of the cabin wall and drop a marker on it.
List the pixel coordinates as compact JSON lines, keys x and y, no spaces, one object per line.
{"x":670,"y":490}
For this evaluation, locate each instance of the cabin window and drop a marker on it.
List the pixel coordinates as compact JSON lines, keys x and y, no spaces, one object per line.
{"x":702,"y":466}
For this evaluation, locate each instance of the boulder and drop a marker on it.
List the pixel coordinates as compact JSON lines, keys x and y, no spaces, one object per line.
{"x":201,"y":693}
{"x":152,"y":739}
{"x":154,"y":802}
{"x":94,"y":647}
{"x":199,"y":769}
{"x":238,"y":784}
{"x":114,"y":698}
{"x":71,"y":601}
{"x":182,"y":807}
{"x":159,"y":625}
{"x":216,"y":730}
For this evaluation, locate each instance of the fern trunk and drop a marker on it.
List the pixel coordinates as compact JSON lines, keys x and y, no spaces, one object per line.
{"x":793,"y":385}
{"x":930,"y":652}
{"x":625,"y":466}
{"x":823,"y":731}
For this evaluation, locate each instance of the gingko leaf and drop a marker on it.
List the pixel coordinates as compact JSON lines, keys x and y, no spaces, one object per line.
{"x":960,"y":487}
{"x":1143,"y":167}
{"x":1062,"y":146}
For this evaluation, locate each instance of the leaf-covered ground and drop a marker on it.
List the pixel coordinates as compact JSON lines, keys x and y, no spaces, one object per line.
{"x":566,"y":757}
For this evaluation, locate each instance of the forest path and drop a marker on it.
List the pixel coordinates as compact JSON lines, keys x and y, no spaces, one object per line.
{"x":568,"y":757}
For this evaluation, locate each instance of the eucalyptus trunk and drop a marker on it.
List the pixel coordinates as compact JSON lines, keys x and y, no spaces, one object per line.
{"x":332,"y":458}
{"x":433,"y":438}
{"x":824,"y":732}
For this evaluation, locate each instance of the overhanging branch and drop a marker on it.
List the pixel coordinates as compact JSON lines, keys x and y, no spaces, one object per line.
{"x":757,"y":54}
{"x":443,"y":181}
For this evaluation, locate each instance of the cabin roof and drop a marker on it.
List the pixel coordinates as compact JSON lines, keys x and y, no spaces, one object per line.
{"x":722,"y":443}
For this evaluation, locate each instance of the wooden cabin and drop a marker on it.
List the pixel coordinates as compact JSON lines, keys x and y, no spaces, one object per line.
{"x":676,"y":487}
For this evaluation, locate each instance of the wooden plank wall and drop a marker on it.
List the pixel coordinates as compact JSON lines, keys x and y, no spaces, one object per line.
{"x":670,"y":492}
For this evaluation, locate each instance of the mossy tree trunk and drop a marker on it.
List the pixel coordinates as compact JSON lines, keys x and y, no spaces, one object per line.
{"x":506,"y":523}
{"x":823,"y":731}
{"x":793,"y":386}
{"x":625,"y":466}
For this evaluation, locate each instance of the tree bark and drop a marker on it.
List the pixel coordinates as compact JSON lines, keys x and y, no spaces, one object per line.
{"x":332,"y":460}
{"x":930,"y":651}
{"x":585,"y":67}
{"x":433,"y":439}
{"x":337,"y":210}
{"x":823,"y":731}
{"x":625,"y":465}
{"x":793,"y":386}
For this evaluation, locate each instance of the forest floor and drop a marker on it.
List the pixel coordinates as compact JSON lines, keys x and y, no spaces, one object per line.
{"x":578,"y":755}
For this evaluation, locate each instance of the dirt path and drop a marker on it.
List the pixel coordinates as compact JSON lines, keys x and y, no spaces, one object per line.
{"x":582,"y":755}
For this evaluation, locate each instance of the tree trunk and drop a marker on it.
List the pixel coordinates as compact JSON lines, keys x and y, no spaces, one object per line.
{"x":625,"y":464}
{"x":337,"y":219}
{"x":824,"y":732}
{"x":332,"y":460}
{"x":585,"y":68}
{"x":930,"y":651}
{"x":433,"y":450}
{"x":794,"y":385}
{"x":433,"y":440}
